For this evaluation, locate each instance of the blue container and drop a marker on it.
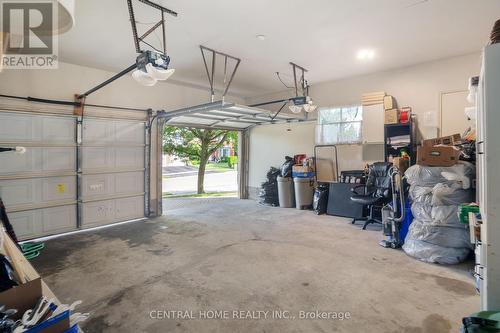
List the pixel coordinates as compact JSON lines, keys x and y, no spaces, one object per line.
{"x":303,"y":174}
{"x":407,"y":221}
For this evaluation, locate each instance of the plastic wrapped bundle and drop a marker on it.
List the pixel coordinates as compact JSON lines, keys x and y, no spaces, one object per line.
{"x":440,"y":194}
{"x":430,"y":176}
{"x":438,"y":215}
{"x":449,"y":235}
{"x":434,"y":253}
{"x":436,"y":234}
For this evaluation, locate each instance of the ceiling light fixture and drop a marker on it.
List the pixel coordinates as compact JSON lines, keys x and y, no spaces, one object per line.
{"x":260,"y":37}
{"x":366,"y":54}
{"x":151,"y":68}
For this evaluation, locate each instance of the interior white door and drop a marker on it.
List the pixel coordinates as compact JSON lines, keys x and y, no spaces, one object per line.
{"x":373,"y":123}
{"x":453,"y":118}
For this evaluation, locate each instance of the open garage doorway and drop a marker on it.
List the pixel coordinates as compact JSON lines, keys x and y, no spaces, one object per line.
{"x":227,"y":165}
{"x":199,"y":163}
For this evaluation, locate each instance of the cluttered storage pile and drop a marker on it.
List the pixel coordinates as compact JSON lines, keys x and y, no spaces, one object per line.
{"x":436,"y":234}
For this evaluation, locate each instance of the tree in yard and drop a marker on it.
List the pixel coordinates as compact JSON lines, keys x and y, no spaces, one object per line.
{"x":195,"y":144}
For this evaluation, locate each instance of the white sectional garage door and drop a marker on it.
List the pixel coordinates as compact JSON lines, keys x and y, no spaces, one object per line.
{"x":112,"y":180}
{"x":72,"y":176}
{"x":39,"y":187}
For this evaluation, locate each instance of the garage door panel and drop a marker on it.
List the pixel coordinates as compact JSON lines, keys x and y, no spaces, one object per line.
{"x":58,"y":159}
{"x":29,"y":128}
{"x":97,"y":185}
{"x":127,"y":132}
{"x":97,"y":131}
{"x":21,"y":128}
{"x":97,"y":158}
{"x":46,"y":221}
{"x":129,"y":182}
{"x":98,"y":213}
{"x":16,"y":163}
{"x":18,"y":191}
{"x":58,"y":188}
{"x":31,"y":191}
{"x":24,"y":223}
{"x":37,"y":159}
{"x":132,"y":158}
{"x":58,"y":129}
{"x":101,"y":185}
{"x":129,"y":208}
{"x":58,"y":219}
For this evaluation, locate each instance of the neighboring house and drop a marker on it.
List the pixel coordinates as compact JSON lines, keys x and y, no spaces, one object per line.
{"x":225,"y":151}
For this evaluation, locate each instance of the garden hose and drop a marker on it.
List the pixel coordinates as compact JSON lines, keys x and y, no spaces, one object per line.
{"x":31,"y":249}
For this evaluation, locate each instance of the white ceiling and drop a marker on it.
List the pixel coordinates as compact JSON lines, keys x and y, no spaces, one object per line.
{"x":321,"y":35}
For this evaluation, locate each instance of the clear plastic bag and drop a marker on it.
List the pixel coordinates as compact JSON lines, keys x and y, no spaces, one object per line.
{"x":445,"y":235}
{"x":436,"y":234}
{"x":440,"y":195}
{"x":422,"y":194}
{"x":437,"y":215}
{"x":443,"y":244}
{"x":443,"y":194}
{"x":429,"y":176}
{"x":434,"y":253}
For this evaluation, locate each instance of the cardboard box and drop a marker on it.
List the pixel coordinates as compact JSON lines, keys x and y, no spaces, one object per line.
{"x":401,"y":163}
{"x":437,"y":156}
{"x":31,"y":288}
{"x":449,"y":140}
{"x":25,"y":297}
{"x":22,"y":297}
{"x":391,"y":116}
{"x":299,"y":168}
{"x":389,"y":103}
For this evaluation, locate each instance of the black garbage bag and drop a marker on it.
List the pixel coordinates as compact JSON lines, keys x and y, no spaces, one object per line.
{"x":286,"y":168}
{"x":268,"y":193}
{"x":320,"y":199}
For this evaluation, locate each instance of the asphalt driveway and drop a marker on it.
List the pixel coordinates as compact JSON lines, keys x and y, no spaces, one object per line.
{"x":180,"y":180}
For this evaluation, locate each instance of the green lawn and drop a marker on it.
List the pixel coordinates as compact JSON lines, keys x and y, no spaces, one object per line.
{"x":217,"y":166}
{"x":204,"y":195}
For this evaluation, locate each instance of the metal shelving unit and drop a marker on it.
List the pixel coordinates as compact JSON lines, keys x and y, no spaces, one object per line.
{"x":393,"y":130}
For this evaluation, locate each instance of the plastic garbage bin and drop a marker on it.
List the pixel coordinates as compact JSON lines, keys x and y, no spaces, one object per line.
{"x":304,"y":190}
{"x":286,"y":195}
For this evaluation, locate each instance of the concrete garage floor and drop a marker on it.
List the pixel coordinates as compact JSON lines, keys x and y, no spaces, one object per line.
{"x":227,"y":254}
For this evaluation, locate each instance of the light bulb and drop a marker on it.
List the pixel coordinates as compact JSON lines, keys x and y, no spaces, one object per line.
{"x":143,"y":78}
{"x":309,"y":107}
{"x":295,"y":108}
{"x":159,"y":73}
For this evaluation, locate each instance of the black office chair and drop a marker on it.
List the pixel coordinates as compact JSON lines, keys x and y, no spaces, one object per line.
{"x":376,"y":193}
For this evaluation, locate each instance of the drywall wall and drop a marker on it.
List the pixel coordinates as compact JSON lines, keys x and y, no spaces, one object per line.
{"x":417,"y":86}
{"x":269,"y":144}
{"x":70,"y":79}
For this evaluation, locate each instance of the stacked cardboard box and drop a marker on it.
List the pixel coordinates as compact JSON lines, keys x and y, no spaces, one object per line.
{"x":391,"y":116}
{"x":373,"y":98}
{"x":439,"y":151}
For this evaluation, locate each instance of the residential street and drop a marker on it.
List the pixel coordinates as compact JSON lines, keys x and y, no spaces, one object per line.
{"x":183,"y":180}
